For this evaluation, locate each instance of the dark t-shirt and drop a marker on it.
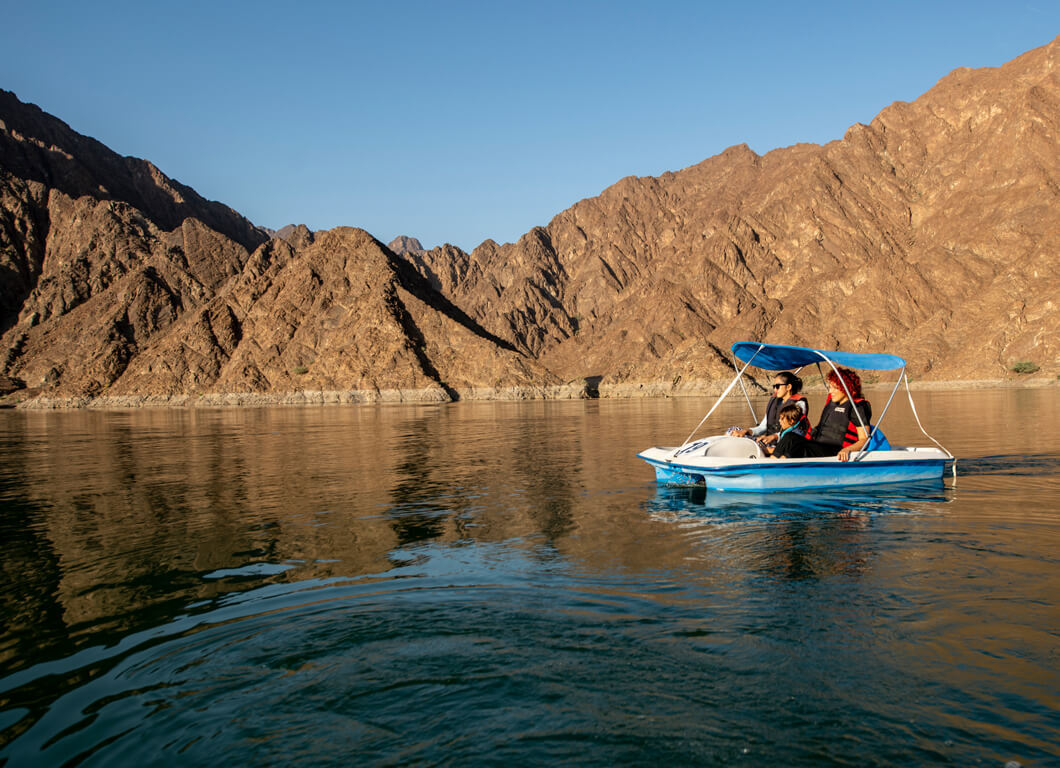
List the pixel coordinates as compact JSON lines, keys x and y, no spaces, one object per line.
{"x":791,"y":445}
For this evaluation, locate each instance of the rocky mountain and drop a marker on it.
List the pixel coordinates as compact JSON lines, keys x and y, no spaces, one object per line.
{"x":931,"y":232}
{"x":291,"y":230}
{"x":336,"y":315}
{"x":122,"y":286}
{"x":403,"y":244}
{"x":40,"y":156}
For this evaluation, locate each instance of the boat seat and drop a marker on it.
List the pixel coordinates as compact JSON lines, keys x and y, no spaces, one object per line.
{"x":734,"y":448}
{"x":877,"y":441}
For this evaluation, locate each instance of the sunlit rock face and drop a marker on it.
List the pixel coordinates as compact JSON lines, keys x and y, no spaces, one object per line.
{"x":931,"y":233}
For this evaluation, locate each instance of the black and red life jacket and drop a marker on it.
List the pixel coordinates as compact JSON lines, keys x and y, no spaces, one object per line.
{"x":839,"y":424}
{"x":804,"y":423}
{"x":773,"y":409}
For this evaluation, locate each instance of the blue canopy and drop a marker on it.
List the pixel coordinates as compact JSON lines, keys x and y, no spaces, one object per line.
{"x":778,"y":357}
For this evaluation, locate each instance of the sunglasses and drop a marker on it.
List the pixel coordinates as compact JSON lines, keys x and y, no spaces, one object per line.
{"x":778,"y":386}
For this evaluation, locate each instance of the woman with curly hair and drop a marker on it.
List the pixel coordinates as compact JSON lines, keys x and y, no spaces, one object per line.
{"x":839,"y":431}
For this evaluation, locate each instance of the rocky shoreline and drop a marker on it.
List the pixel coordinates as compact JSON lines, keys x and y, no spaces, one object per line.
{"x":579,"y":390}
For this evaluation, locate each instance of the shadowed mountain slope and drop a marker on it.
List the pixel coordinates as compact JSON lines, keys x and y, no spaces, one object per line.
{"x":120,"y":285}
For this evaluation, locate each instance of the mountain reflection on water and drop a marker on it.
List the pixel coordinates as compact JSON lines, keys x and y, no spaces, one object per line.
{"x":482,"y":582}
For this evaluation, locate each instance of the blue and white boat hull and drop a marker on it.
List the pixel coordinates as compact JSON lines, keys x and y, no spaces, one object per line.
{"x":693,"y":465}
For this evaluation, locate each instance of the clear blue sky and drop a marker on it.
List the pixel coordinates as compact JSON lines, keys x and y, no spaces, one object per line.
{"x":461,"y":121}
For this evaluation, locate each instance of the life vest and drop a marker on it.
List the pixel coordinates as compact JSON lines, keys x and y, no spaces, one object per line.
{"x":773,"y":409}
{"x":839,"y":425}
{"x":803,"y":423}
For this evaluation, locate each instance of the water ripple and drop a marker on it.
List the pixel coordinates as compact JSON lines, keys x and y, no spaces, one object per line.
{"x":504,"y":583}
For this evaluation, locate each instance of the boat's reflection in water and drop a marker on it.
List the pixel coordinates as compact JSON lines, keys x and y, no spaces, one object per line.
{"x":696,"y":503}
{"x":795,"y":536}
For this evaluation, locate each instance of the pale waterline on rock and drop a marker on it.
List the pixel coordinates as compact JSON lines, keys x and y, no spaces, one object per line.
{"x":571,"y":391}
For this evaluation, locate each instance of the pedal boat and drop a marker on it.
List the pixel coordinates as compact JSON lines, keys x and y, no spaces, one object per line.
{"x":725,"y":463}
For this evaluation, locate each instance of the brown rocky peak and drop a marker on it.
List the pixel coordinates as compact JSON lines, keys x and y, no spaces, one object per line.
{"x":34,"y":146}
{"x":403,"y":244}
{"x":901,"y":237}
{"x":341,"y":317}
{"x":298,"y":235}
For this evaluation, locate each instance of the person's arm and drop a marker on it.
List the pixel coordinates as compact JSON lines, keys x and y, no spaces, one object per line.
{"x":754,"y":431}
{"x":863,"y":437}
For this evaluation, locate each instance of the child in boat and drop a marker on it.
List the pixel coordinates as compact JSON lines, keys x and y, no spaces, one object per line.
{"x":786,"y":389}
{"x":792,"y":432}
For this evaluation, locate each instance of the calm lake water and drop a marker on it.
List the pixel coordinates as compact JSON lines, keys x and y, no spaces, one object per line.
{"x":505,"y":583}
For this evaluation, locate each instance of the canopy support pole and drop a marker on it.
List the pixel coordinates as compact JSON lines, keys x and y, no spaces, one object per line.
{"x":929,"y":437}
{"x":717,"y":402}
{"x":879,"y":421}
{"x":747,"y":397}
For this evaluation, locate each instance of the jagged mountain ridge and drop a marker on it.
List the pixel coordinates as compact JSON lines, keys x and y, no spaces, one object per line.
{"x":339,"y":314}
{"x":930,"y":232}
{"x":119,"y":292}
{"x":41,"y":154}
{"x":40,"y":147}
